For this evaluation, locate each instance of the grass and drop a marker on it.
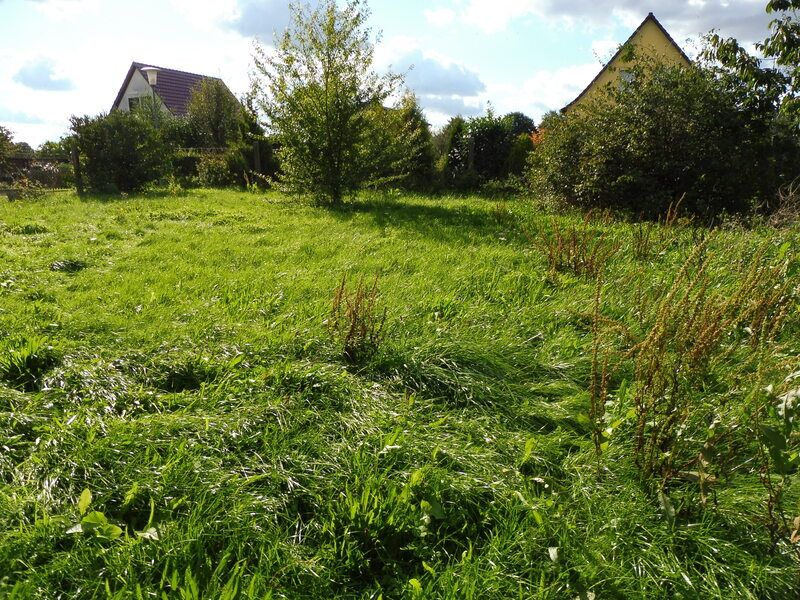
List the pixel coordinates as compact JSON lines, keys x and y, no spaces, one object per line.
{"x":232,"y":450}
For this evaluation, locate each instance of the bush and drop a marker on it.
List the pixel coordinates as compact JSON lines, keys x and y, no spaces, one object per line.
{"x":123,"y":151}
{"x":671,"y":133}
{"x":223,"y":169}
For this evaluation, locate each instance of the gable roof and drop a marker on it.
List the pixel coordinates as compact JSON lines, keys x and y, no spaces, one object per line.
{"x":174,"y":87}
{"x":650,"y":18}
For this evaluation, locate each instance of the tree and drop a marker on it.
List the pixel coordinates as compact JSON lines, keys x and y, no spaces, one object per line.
{"x":316,"y":91}
{"x":671,"y":133}
{"x":215,"y":114}
{"x":6,"y":148}
{"x":123,"y":151}
{"x":778,"y":85}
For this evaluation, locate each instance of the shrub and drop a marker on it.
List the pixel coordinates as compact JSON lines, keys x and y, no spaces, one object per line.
{"x":670,"y":133}
{"x":222,"y":169}
{"x":123,"y":151}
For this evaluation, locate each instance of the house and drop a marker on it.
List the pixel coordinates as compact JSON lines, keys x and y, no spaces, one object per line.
{"x":649,"y":40}
{"x":170,"y":87}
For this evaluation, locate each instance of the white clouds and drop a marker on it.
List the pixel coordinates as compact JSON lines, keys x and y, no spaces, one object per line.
{"x":64,"y":9}
{"x":604,"y":49}
{"x":440,"y":17}
{"x":493,"y":16}
{"x":443,"y":86}
{"x":40,"y":74}
{"x":545,"y":90}
{"x":744,"y":19}
{"x":261,"y":18}
{"x":206,"y":12}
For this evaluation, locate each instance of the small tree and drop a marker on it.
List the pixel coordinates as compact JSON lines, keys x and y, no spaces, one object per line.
{"x":123,"y":151}
{"x":6,"y":148}
{"x":215,"y":114}
{"x":316,"y":91}
{"x":779,"y":84}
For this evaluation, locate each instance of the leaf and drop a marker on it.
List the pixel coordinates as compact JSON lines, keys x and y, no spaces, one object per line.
{"x":432,"y":508}
{"x":108,"y":531}
{"x":416,"y":477}
{"x":84,"y":501}
{"x":428,"y":568}
{"x":75,"y":529}
{"x":773,"y":438}
{"x":415,"y":586}
{"x":784,"y":248}
{"x":150,"y":534}
{"x":529,"y":446}
{"x":666,"y":506}
{"x":93,"y":521}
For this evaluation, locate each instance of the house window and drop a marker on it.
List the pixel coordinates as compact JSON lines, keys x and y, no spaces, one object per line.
{"x":133,"y":103}
{"x":626,"y":78}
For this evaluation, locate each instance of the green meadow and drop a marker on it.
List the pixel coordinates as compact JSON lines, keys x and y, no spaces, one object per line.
{"x":548,"y":405}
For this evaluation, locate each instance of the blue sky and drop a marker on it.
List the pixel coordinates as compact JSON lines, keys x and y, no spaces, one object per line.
{"x":64,"y":57}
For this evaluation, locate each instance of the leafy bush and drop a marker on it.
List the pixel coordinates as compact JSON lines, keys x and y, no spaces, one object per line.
{"x":670,"y":133}
{"x":222,"y":169}
{"x":483,"y":149}
{"x":123,"y":151}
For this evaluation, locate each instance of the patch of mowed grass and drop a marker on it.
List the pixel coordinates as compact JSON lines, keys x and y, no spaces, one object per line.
{"x":202,"y":400}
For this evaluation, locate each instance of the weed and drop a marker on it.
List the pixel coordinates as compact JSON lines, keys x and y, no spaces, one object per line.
{"x":580,"y":250}
{"x":23,"y":364}
{"x":641,"y":241}
{"x":356,"y":322}
{"x":692,"y":325}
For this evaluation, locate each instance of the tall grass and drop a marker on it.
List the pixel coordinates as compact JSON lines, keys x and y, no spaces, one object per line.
{"x":520,"y":431}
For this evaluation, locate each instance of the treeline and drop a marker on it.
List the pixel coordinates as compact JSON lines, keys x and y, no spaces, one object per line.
{"x":719,"y":136}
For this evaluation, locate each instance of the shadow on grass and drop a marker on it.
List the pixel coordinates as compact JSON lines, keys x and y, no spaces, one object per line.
{"x":459,"y":221}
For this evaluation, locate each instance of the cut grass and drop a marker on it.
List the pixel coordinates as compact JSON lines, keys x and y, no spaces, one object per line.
{"x":199,"y":392}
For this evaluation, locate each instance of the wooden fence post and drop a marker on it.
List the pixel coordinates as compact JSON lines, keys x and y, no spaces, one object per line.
{"x":76,"y":167}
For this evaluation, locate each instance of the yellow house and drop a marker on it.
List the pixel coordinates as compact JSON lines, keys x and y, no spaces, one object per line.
{"x":649,"y":40}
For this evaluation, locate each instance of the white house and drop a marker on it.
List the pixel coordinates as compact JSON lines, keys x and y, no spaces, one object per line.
{"x":171,"y":88}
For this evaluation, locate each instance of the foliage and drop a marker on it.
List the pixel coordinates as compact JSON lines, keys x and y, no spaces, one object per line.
{"x":412,"y":134}
{"x":215,"y":115}
{"x":776,"y":85}
{"x":482,"y":149}
{"x":123,"y":151}
{"x":671,"y":133}
{"x":316,"y":90}
{"x":222,"y":169}
{"x":580,"y":250}
{"x":6,"y":147}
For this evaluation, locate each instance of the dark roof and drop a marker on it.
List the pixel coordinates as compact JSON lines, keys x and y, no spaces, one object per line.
{"x":649,"y":18}
{"x":174,"y":87}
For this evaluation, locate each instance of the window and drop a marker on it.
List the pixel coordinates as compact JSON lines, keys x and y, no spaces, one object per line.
{"x":626,"y":78}
{"x":133,"y":103}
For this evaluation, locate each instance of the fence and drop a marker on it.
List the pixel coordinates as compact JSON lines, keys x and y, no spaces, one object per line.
{"x":21,"y":173}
